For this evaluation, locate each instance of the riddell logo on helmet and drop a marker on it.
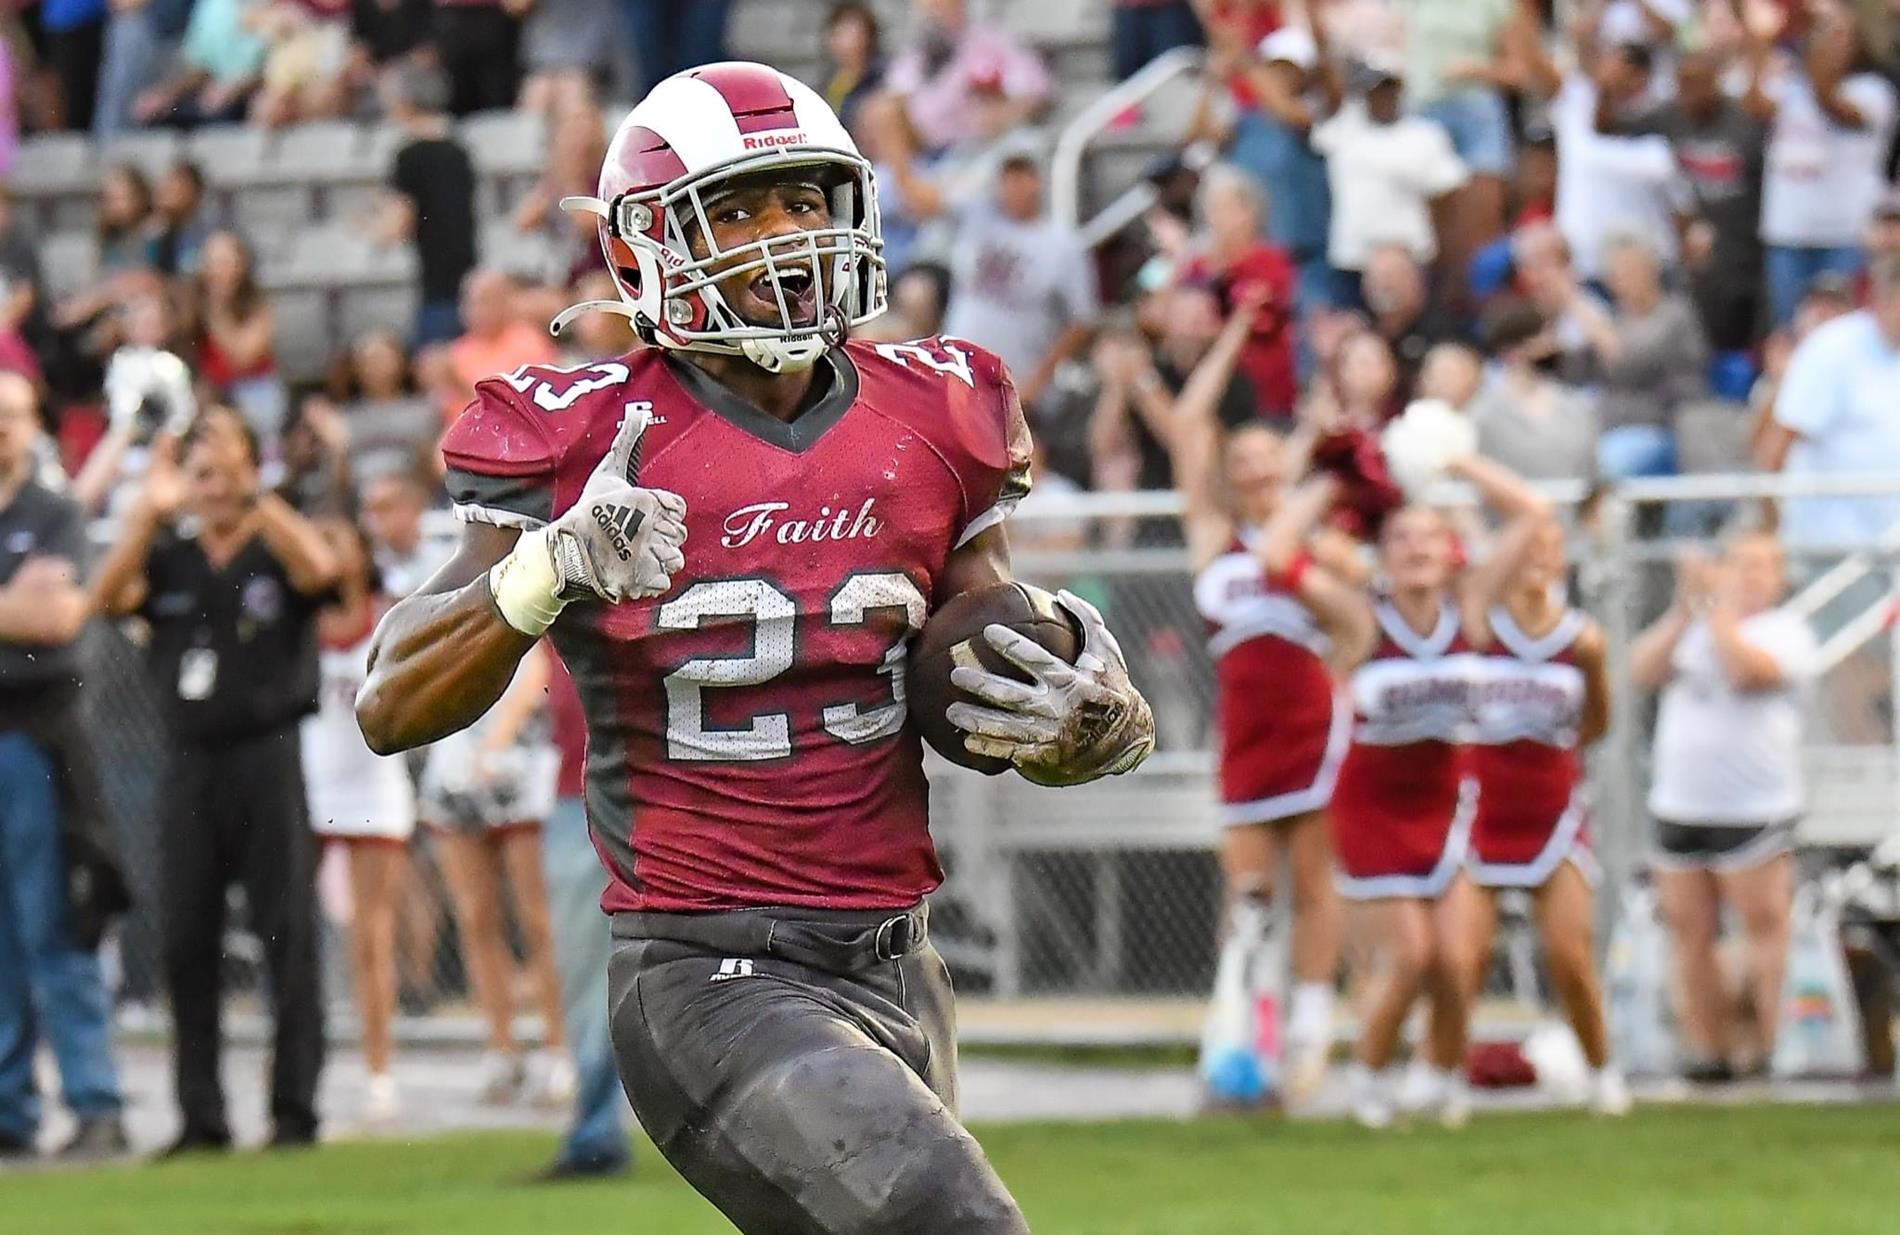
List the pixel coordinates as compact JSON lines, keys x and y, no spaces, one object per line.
{"x":766,"y":141}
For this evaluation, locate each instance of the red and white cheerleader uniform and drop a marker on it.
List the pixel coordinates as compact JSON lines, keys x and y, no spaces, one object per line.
{"x":1527,"y":701}
{"x":1283,"y":728}
{"x":1401,"y":813}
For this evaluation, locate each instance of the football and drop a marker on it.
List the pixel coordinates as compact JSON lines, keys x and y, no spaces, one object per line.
{"x":954,"y":636}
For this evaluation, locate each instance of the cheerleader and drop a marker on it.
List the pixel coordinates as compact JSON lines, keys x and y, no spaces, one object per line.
{"x":1403,"y":807}
{"x":486,"y":791}
{"x":360,"y":800}
{"x":1281,"y":625}
{"x":1541,"y":693}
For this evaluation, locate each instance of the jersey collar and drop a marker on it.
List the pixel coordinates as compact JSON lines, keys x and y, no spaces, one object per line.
{"x":796,"y":436}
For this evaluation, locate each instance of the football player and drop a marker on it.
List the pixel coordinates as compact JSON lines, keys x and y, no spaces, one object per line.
{"x":730,"y":534}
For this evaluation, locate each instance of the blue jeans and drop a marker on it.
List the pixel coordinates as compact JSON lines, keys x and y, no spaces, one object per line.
{"x":1790,"y":270}
{"x":1291,"y":174}
{"x":1143,"y":31}
{"x":437,"y":321}
{"x":581,"y":947}
{"x":1480,"y":129}
{"x":1636,"y":450}
{"x":134,"y":53}
{"x":48,"y":985}
{"x":1632,"y":451}
{"x":670,"y":36}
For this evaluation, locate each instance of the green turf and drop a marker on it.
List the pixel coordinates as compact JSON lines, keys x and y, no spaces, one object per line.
{"x":1792,"y":1170}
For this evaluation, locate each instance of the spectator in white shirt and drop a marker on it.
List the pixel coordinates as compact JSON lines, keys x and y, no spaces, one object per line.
{"x":1726,"y":789}
{"x":1607,"y":184}
{"x":1833,"y":122}
{"x":1838,"y":410}
{"x":1387,"y":171}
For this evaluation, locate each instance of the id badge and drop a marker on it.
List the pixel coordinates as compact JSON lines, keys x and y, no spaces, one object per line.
{"x":197,"y":674}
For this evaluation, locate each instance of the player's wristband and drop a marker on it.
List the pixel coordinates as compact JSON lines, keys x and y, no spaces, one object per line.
{"x":525,"y":586}
{"x":1288,"y":579}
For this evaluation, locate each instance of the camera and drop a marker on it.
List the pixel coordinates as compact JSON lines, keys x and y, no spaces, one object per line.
{"x":150,"y":389}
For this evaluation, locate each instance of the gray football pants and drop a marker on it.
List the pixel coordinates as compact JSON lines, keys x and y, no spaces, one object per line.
{"x":798,"y":1067}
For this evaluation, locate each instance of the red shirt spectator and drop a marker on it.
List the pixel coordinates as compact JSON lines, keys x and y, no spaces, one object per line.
{"x":1238,"y":265}
{"x":1241,"y":24}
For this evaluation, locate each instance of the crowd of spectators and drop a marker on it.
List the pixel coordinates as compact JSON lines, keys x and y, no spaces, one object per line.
{"x":1589,"y":228}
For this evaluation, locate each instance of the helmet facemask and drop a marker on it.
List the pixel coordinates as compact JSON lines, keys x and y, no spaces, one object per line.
{"x":672,"y":292}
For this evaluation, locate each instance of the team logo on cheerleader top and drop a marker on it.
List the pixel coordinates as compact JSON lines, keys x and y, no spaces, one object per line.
{"x":767,"y":519}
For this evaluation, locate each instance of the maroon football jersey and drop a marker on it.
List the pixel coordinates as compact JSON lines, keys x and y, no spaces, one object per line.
{"x":748,"y":742}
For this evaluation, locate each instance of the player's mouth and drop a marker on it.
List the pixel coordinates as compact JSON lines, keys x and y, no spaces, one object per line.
{"x":799,"y":289}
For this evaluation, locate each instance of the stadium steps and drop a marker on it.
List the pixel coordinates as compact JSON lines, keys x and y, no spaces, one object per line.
{"x":69,"y":262}
{"x":306,"y":331}
{"x":151,"y":151}
{"x":526,"y":255}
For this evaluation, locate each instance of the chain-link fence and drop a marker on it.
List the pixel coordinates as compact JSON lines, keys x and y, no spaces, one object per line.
{"x":1111,"y":892}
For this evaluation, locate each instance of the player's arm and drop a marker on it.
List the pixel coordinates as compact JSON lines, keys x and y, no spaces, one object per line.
{"x":1068,"y":723}
{"x":442,"y":657}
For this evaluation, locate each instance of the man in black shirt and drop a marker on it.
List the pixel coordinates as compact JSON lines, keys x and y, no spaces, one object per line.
{"x":1721,"y":145}
{"x":231,"y":597}
{"x":431,"y":199}
{"x":50,"y":985}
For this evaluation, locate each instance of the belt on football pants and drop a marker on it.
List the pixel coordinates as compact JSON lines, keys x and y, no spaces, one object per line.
{"x":837,"y":940}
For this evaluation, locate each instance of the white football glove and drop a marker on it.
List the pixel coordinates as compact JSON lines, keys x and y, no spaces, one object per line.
{"x":616,"y":542}
{"x":1070,"y":723}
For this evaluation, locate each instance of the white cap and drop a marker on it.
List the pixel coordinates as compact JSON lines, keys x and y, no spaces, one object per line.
{"x":1293,"y":45}
{"x":1383,"y":62}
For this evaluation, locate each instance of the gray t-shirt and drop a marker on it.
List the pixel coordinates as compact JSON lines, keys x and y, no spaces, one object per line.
{"x":1017,"y":286}
{"x":1662,"y":363}
{"x":1549,"y":435}
{"x":390,"y":435}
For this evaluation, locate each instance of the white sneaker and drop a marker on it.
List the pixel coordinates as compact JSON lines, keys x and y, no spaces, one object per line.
{"x":1305,"y":1072}
{"x":1371,"y":1100}
{"x":1610,"y":1093}
{"x":552,"y":1079}
{"x":381,"y":1101}
{"x":1454,"y":1103}
{"x":499,"y":1078}
{"x":1423,"y":1089}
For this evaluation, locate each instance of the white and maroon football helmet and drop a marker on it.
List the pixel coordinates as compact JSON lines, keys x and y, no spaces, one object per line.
{"x":699,"y":130}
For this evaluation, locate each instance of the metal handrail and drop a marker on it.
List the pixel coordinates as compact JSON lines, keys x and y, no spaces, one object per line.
{"x":1065,"y":166}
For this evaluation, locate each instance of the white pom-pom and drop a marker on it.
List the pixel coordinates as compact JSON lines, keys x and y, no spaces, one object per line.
{"x":1422,"y":441}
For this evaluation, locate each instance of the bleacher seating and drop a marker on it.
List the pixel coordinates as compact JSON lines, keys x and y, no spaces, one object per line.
{"x":68,"y":261}
{"x":302,"y":194}
{"x":151,"y":151}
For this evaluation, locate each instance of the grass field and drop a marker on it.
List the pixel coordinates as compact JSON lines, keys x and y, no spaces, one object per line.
{"x":1736,"y":1171}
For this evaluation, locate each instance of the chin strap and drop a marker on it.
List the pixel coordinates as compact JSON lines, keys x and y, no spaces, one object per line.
{"x":573,"y":311}
{"x":587,"y":204}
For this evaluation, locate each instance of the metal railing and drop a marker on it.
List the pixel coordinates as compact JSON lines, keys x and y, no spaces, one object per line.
{"x":1112,"y":891}
{"x":1066,"y":164}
